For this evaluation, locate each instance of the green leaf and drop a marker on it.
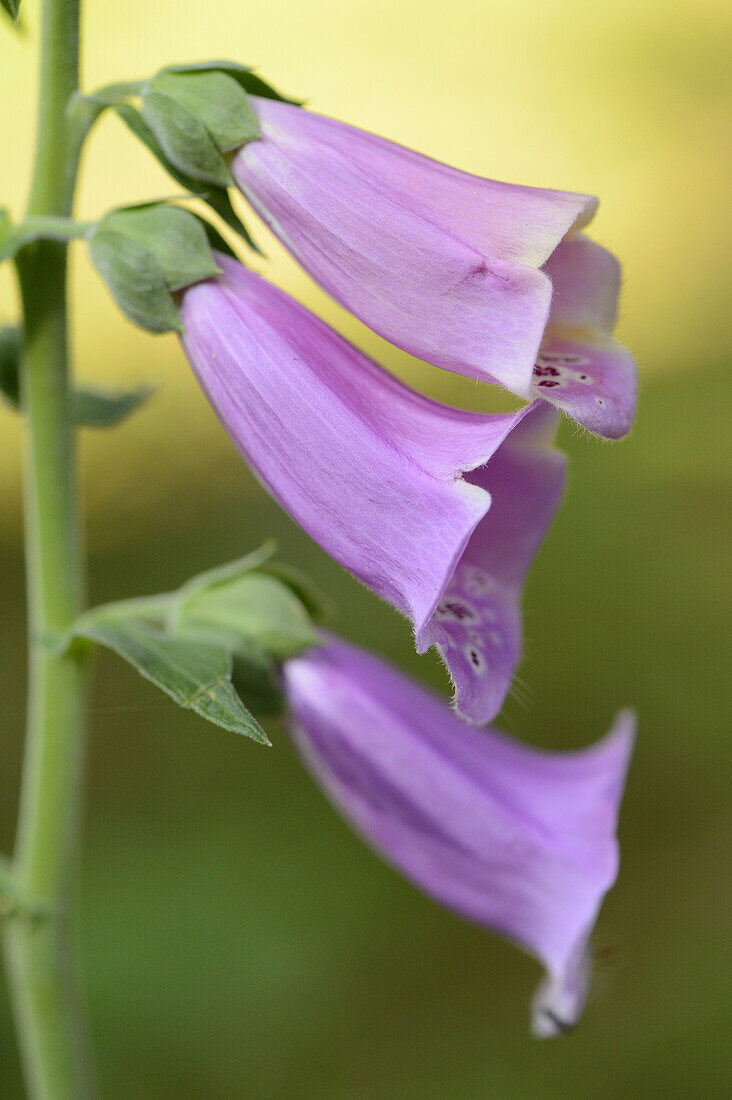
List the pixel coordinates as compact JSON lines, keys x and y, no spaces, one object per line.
{"x":135,"y":280}
{"x":95,"y":408}
{"x":216,"y":197}
{"x":195,"y":673}
{"x":217,"y":100}
{"x":253,"y":671}
{"x":185,"y":140}
{"x":11,"y":7}
{"x":10,"y":349}
{"x":243,"y":74}
{"x":175,"y":236}
{"x":255,"y":606}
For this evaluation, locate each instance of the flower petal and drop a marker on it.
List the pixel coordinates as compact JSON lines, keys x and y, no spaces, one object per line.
{"x":477,"y":623}
{"x":373,"y":471}
{"x":580,"y":368}
{"x":442,"y":263}
{"x":590,"y":378}
{"x":585,"y":281}
{"x":516,"y":839}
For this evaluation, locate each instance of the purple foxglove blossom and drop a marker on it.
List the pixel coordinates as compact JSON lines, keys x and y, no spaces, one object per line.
{"x":514,"y":838}
{"x":455,"y":269}
{"x":438,"y":510}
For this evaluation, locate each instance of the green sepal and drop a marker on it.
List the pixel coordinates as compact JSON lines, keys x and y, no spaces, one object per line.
{"x":11,"y":343}
{"x":135,"y":280}
{"x":307,"y":592}
{"x":193,"y":672}
{"x":175,"y":237}
{"x":216,"y":197}
{"x":11,"y":7}
{"x":230,"y":571}
{"x":217,"y":100}
{"x":255,"y":606}
{"x":97,"y":408}
{"x":244,"y":75}
{"x":184,"y":139}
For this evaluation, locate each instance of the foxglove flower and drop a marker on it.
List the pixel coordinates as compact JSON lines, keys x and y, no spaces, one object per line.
{"x":456,"y":269}
{"x":438,"y":510}
{"x":519,"y":840}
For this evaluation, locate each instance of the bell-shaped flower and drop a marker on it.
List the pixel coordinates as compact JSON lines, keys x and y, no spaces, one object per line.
{"x":456,"y":269}
{"x":513,"y":838}
{"x":438,"y":510}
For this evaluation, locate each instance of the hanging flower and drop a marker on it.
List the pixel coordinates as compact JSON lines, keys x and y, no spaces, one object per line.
{"x":455,"y":269}
{"x":519,"y":840}
{"x":438,"y":510}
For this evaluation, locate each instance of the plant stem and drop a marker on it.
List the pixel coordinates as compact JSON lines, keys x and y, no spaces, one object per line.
{"x":40,"y":952}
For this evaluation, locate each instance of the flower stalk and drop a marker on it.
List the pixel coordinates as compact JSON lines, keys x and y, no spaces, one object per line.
{"x":40,"y":953}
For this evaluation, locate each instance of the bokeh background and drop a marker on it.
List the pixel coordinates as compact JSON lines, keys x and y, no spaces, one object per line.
{"x":238,"y":940}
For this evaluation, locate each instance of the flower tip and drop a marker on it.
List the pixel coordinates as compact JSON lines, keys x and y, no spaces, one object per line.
{"x":558,"y":1002}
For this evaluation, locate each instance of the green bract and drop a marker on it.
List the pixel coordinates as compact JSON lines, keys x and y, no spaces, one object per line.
{"x":213,"y":645}
{"x":193,"y":672}
{"x":146,"y":253}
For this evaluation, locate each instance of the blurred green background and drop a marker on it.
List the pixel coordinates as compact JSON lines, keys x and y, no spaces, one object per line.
{"x":238,"y":940}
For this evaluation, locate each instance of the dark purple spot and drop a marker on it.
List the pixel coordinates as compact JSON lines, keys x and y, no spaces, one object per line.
{"x":548,"y":383}
{"x":540,"y":371}
{"x":459,"y":610}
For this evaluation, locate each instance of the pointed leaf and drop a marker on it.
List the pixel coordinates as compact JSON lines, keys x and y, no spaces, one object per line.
{"x":184,"y":138}
{"x":220,"y":103}
{"x":95,"y":408}
{"x":135,"y":279}
{"x":175,"y":236}
{"x":253,"y":674}
{"x":196,"y":674}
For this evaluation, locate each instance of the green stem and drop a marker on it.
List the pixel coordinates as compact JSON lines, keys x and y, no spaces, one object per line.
{"x":40,"y":953}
